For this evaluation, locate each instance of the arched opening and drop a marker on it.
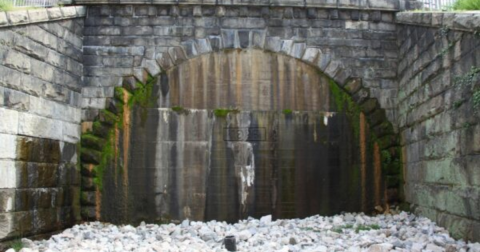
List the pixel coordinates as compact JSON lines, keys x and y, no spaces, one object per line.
{"x":239,"y":133}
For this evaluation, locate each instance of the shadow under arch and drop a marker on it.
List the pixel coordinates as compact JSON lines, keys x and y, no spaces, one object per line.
{"x":351,"y":100}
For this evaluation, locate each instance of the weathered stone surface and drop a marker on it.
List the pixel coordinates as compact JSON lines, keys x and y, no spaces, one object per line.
{"x":18,"y":17}
{"x":17,"y":61}
{"x":38,"y":15}
{"x":230,"y":39}
{"x":9,"y":146}
{"x":7,"y":200}
{"x":436,"y":150}
{"x":16,"y":100}
{"x":3,"y":18}
{"x":55,"y":13}
{"x":9,"y":122}
{"x":36,"y":126}
{"x":8,"y":174}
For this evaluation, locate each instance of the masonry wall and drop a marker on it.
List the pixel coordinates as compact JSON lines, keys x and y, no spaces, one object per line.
{"x":122,"y":40}
{"x":40,"y":98}
{"x":439,"y":71}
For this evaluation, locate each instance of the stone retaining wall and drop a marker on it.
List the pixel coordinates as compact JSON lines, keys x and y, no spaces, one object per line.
{"x":439,"y":73}
{"x":41,"y":71}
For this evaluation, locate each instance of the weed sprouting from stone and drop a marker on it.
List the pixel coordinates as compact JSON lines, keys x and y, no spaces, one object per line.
{"x":17,"y":245}
{"x":366,"y":228}
{"x":468,"y":80}
{"x":181,"y":110}
{"x":222,"y":112}
{"x":444,"y":31}
{"x":457,"y":104}
{"x":476,"y":100}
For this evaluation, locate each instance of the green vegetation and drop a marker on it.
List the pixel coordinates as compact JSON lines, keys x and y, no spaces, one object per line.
{"x":469,"y":78}
{"x":17,"y":245}
{"x":99,"y":144}
{"x":287,"y":111}
{"x":222,"y":112}
{"x":6,"y":6}
{"x":445,"y":50}
{"x":366,"y":228}
{"x":344,"y":102}
{"x":466,"y":125}
{"x":476,"y":100}
{"x":468,"y":81}
{"x":466,"y":5}
{"x":457,"y":104}
{"x":142,"y":96}
{"x":181,"y":110}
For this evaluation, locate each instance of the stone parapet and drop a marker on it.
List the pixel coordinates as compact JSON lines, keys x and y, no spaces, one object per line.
{"x":392,"y":5}
{"x":463,"y":21}
{"x":24,"y":17}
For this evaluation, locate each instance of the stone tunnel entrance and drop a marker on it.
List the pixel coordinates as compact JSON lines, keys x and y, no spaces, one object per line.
{"x":234,"y":134}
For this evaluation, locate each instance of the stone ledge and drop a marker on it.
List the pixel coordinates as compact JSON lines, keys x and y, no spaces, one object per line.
{"x":22,"y":17}
{"x":389,"y":5}
{"x":463,"y":21}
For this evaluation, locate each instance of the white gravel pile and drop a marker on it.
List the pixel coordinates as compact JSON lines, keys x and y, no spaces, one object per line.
{"x":347,"y":232}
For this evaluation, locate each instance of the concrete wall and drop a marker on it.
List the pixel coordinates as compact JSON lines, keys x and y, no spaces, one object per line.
{"x":438,"y":73}
{"x":40,"y":88}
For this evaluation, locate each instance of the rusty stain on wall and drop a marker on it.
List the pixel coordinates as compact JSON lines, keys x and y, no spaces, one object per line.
{"x":181,"y":165}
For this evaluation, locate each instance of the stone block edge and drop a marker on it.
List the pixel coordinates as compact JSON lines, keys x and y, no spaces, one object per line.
{"x":49,"y":14}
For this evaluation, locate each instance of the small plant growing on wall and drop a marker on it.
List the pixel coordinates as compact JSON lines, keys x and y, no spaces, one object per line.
{"x":468,"y":81}
{"x":223,"y":112}
{"x":180,"y":110}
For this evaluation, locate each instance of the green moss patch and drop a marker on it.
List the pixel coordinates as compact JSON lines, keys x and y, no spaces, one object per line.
{"x":98,"y":145}
{"x":180,"y":110}
{"x":223,"y":112}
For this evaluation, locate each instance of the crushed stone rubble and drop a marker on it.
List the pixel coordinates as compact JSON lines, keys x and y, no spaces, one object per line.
{"x":347,"y":232}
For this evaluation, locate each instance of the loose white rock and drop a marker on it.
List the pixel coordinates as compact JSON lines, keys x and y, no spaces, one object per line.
{"x":349,"y":232}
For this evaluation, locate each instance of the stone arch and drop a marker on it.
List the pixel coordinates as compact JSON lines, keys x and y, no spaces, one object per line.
{"x":323,"y":62}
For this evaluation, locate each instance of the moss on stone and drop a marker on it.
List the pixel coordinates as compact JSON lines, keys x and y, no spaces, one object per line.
{"x":92,"y":141}
{"x":223,"y":112}
{"x":98,"y":146}
{"x":118,"y":95}
{"x":391,"y":160}
{"x":142,"y":97}
{"x":344,"y":102}
{"x":180,"y":110}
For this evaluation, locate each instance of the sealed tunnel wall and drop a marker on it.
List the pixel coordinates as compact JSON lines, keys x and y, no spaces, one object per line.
{"x":241,"y":133}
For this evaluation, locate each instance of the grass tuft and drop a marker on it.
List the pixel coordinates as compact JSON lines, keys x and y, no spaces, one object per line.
{"x":17,"y":245}
{"x":6,"y":6}
{"x":466,"y":5}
